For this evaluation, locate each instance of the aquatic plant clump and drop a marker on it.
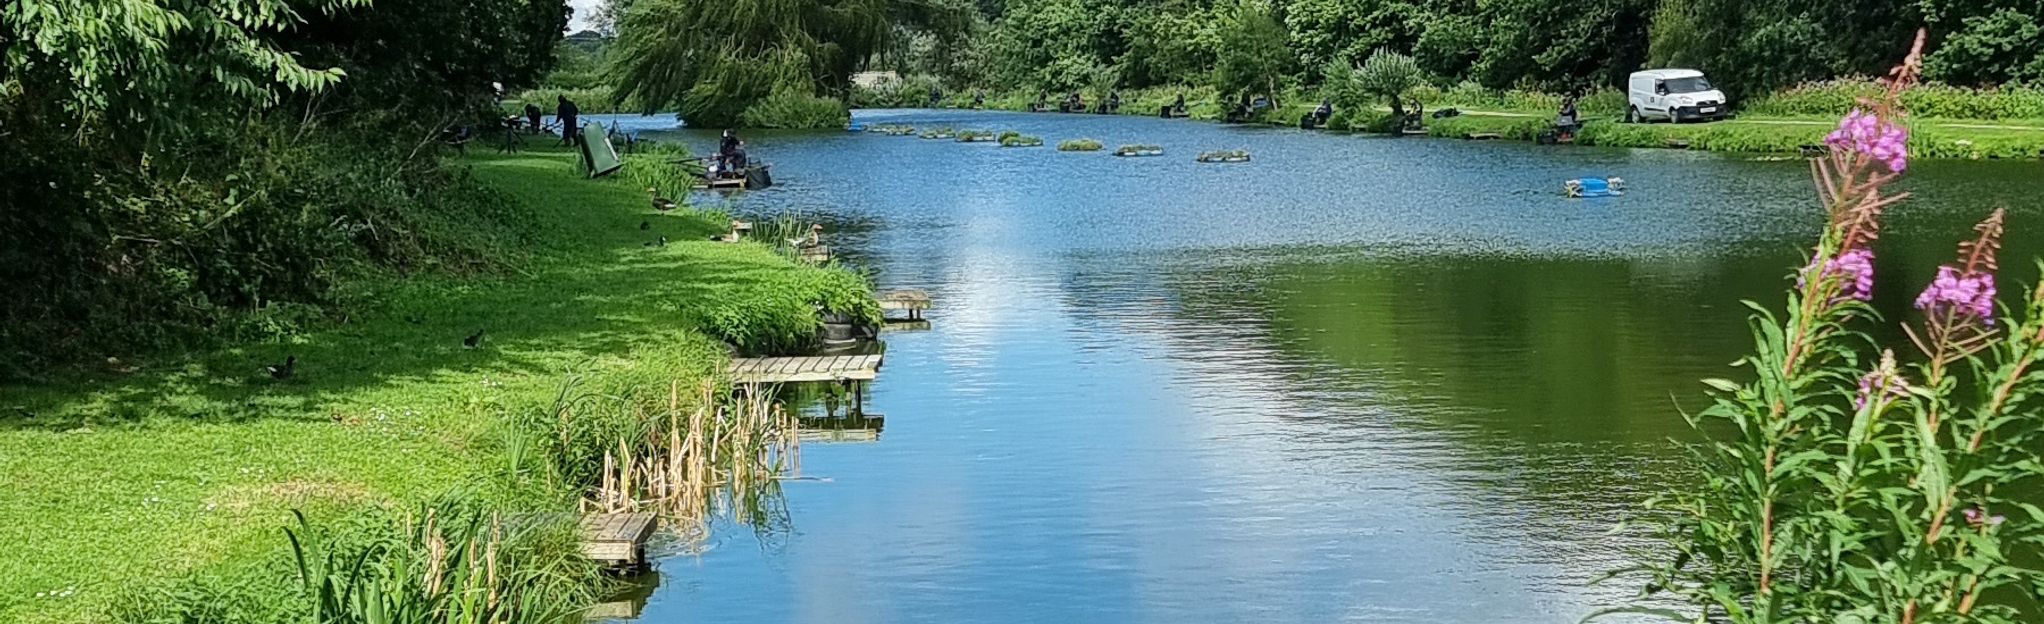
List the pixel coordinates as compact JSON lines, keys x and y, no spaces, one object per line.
{"x":1020,"y":140}
{"x":1841,"y":484}
{"x":1223,"y":156}
{"x":939,"y":133}
{"x":1139,"y":150}
{"x":1080,"y":145}
{"x":975,"y":136}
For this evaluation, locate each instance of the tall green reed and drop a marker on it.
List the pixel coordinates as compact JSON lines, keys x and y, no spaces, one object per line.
{"x":444,"y":563}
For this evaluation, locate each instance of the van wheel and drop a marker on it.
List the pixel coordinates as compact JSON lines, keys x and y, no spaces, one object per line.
{"x":1632,"y":114}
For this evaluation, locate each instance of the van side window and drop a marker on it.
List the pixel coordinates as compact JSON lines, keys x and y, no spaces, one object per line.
{"x":1660,"y":88}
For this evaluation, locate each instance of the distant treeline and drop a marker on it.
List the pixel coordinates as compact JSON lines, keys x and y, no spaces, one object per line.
{"x":1747,"y":47}
{"x":1272,"y":46}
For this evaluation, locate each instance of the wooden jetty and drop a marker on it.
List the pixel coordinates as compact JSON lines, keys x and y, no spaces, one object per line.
{"x":905,"y":325}
{"x":617,"y":539}
{"x":821,"y":368}
{"x":1483,"y":136}
{"x":914,"y":301}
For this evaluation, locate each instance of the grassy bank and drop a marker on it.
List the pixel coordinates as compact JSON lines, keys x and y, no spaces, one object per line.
{"x":119,"y":482}
{"x":1929,"y":138}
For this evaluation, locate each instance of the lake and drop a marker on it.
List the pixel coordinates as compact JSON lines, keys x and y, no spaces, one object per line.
{"x":1359,"y":378}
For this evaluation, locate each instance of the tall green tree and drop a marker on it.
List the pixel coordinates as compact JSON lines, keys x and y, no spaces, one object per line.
{"x":1254,"y":54}
{"x":1389,"y":75}
{"x":713,"y":60}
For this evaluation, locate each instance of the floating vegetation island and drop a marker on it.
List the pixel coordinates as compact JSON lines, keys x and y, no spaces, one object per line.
{"x":975,"y":136}
{"x":1223,"y":156}
{"x":1012,"y":138}
{"x":939,"y":133}
{"x":1080,"y":145}
{"x":892,"y":129}
{"x":1139,"y":150}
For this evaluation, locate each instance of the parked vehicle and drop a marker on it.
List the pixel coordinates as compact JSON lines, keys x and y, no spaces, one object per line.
{"x":1675,"y":95}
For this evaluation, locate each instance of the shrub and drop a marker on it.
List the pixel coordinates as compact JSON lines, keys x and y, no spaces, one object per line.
{"x":249,"y":238}
{"x":791,"y":109}
{"x":1834,"y":97}
{"x":593,"y":100}
{"x":779,"y":316}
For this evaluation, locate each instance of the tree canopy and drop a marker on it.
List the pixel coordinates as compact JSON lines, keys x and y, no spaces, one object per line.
{"x":714,"y":60}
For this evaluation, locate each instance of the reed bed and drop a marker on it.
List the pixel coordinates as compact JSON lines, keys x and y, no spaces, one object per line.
{"x":690,"y":459}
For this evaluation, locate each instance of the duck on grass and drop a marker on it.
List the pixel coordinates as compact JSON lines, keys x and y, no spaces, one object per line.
{"x":1223,"y":156}
{"x":1139,"y":150}
{"x":1080,"y":145}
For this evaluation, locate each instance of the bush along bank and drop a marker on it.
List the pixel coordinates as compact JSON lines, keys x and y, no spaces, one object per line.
{"x":1928,"y":138}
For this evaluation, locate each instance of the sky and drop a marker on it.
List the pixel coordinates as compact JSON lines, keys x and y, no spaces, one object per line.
{"x":583,"y":10}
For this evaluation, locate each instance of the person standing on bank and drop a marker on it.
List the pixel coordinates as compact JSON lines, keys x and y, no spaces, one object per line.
{"x":565,"y":111}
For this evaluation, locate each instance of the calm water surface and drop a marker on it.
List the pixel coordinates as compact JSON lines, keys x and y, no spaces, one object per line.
{"x":1368,"y":379}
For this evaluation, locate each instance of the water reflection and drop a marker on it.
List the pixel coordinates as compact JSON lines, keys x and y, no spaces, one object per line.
{"x":1362,"y":379}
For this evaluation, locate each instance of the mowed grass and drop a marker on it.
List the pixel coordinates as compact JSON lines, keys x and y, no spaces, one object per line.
{"x":191,"y":463}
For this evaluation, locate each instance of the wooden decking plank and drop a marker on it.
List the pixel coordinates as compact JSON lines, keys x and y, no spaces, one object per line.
{"x":805,"y":369}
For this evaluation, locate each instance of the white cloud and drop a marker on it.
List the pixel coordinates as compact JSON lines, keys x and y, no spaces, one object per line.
{"x":584,"y":10}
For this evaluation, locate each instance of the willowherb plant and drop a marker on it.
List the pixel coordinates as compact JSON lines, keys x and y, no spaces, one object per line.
{"x":1852,"y":487}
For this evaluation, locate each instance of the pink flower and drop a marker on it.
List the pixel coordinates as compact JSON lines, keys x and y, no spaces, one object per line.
{"x":1854,"y":270}
{"x":1966,"y":294}
{"x":1866,"y":133}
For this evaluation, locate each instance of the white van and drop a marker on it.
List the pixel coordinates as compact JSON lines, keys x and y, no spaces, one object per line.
{"x":1676,"y":95}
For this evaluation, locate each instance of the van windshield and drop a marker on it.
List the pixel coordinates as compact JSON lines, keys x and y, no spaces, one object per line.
{"x":1686,"y":85}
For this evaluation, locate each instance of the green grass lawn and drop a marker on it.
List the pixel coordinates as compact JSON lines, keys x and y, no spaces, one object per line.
{"x":191,"y":463}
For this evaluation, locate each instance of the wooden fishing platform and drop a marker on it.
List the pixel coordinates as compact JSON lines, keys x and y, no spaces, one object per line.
{"x":617,"y":539}
{"x":778,"y":370}
{"x":914,"y":301}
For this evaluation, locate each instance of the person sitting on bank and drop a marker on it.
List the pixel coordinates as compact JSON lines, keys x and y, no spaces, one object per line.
{"x":979,"y":98}
{"x":1566,"y":122}
{"x":565,"y":111}
{"x":1322,"y":112}
{"x":1113,"y":101}
{"x":1178,"y":107}
{"x":730,"y":153}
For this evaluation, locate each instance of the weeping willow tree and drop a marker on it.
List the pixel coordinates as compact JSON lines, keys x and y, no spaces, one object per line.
{"x":718,"y":62}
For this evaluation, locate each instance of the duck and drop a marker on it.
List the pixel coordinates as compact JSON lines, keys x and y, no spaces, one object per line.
{"x":815,"y":238}
{"x":283,"y":371}
{"x":661,"y":204}
{"x":473,"y":341}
